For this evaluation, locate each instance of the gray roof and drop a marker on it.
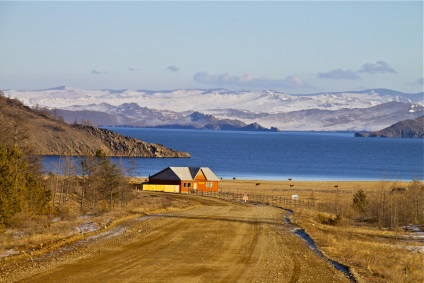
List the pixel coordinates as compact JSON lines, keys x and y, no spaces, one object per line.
{"x":210,"y":176}
{"x":184,"y":173}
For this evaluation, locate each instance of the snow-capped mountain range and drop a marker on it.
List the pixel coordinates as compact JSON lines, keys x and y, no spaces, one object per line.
{"x":349,"y":110}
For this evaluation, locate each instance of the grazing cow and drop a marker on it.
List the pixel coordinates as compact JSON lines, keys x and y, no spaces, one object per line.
{"x":399,"y":190}
{"x":257,"y":184}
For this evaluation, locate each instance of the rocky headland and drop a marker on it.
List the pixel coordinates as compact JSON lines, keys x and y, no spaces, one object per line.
{"x":411,"y":128}
{"x":44,"y":134}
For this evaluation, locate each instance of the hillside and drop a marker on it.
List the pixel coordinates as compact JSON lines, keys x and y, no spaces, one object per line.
{"x":411,"y":128}
{"x":46,"y":136}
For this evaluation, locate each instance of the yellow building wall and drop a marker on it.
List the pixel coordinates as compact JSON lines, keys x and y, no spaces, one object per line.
{"x":161,"y":188}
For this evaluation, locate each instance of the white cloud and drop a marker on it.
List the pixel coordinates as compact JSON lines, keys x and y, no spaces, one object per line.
{"x":173,"y":68}
{"x":379,"y":67}
{"x":339,"y":74}
{"x":248,"y":80}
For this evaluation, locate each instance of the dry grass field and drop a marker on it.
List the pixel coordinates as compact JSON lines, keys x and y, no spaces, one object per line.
{"x":319,"y":190}
{"x":374,"y":254}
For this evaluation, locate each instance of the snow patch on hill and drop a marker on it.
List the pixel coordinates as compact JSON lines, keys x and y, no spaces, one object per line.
{"x":201,"y":100}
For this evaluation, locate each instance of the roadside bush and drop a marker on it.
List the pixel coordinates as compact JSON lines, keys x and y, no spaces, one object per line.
{"x":329,"y":219}
{"x":63,"y":213}
{"x":393,"y":207}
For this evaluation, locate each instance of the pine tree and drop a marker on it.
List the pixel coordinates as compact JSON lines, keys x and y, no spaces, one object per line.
{"x":12,"y":183}
{"x":22,"y":188}
{"x":360,"y":202}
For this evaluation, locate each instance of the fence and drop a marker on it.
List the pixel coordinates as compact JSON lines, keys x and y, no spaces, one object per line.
{"x":262,"y":199}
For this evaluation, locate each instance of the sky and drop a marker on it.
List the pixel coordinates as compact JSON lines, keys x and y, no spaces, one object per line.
{"x":290,"y":46}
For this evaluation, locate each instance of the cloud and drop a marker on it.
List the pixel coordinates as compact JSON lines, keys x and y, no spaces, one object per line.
{"x":419,"y":82}
{"x":131,"y":69}
{"x":380,"y":67}
{"x":248,"y":80}
{"x":173,"y":68}
{"x":339,"y":74}
{"x":96,"y":71}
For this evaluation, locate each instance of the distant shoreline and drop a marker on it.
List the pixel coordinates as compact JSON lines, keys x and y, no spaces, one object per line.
{"x":304,"y":181}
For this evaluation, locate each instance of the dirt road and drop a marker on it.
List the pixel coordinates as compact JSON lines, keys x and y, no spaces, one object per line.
{"x":216,"y":241}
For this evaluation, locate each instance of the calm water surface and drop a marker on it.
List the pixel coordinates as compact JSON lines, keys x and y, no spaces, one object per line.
{"x":282,"y":155}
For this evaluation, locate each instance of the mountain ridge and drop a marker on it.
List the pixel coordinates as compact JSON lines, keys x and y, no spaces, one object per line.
{"x":270,"y":109}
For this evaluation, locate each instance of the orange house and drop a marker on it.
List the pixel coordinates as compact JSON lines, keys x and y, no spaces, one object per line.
{"x":190,"y":179}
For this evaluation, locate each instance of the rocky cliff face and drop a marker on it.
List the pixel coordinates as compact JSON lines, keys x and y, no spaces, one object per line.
{"x":38,"y":130}
{"x":412,"y":128}
{"x":126,"y":146}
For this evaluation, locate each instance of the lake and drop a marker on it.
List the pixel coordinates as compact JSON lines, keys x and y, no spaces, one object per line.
{"x":283,"y":155}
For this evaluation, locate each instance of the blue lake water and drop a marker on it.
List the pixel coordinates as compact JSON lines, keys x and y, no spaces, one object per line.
{"x":283,"y":155}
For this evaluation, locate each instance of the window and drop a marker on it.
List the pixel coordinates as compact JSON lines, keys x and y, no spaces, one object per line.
{"x":187,"y":185}
{"x":209,"y":185}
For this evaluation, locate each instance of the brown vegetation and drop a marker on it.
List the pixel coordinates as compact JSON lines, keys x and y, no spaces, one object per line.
{"x":43,"y":233}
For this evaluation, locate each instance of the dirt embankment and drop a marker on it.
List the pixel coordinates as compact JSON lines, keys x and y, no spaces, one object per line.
{"x":215,"y":241}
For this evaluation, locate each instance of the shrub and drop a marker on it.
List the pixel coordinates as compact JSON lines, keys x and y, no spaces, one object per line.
{"x":329,"y":220}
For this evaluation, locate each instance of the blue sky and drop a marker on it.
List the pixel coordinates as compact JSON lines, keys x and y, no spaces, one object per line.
{"x":296,"y":47}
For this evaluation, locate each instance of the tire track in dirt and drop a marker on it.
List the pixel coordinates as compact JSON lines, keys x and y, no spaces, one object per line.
{"x":109,"y":255}
{"x":296,"y":269}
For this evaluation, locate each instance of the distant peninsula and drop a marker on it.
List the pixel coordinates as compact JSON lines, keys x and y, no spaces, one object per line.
{"x":411,"y":128}
{"x":200,"y":121}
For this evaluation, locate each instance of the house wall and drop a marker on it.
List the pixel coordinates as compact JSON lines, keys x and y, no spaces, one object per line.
{"x":186,"y":189}
{"x":200,"y":185}
{"x":205,"y":185}
{"x":161,"y":188}
{"x":164,"y":182}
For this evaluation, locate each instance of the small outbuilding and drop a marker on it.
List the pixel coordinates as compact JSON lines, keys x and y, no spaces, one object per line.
{"x":183,"y":180}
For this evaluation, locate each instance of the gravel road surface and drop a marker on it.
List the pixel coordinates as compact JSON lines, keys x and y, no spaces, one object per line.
{"x":215,"y":241}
